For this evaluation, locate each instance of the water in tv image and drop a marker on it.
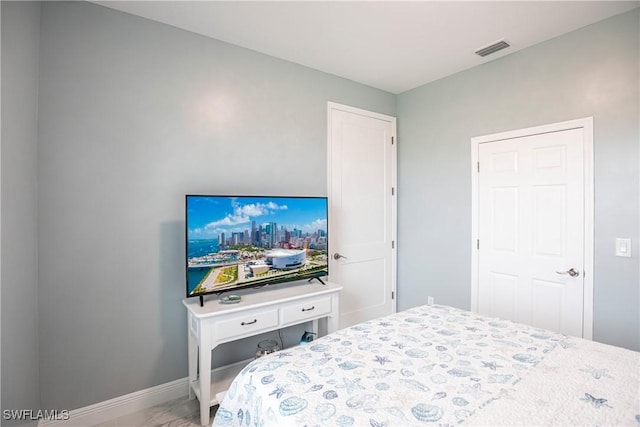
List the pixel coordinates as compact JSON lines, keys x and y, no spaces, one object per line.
{"x":241,"y":241}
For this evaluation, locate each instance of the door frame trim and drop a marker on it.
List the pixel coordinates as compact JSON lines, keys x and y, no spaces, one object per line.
{"x":585,"y":123}
{"x":394,"y":183}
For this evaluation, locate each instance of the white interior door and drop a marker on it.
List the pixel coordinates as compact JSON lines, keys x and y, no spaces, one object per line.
{"x":531,"y":230}
{"x":362,"y":217}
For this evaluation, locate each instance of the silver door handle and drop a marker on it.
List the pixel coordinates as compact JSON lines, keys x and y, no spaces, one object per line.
{"x":571,"y":272}
{"x":337,"y":256}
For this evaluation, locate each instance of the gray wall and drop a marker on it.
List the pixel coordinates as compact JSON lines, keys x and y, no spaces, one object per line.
{"x":589,"y":72}
{"x":133,"y":115}
{"x":20,"y":44}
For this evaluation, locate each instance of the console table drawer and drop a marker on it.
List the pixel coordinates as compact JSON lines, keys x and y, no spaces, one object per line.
{"x":246,"y":323}
{"x":305,"y":310}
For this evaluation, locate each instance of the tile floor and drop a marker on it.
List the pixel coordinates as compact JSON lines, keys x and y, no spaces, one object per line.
{"x":176,"y":413}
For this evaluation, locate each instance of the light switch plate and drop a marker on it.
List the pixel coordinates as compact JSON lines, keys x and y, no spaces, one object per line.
{"x":623,"y":247}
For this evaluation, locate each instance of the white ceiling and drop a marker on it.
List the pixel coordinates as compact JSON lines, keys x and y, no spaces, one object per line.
{"x":391,"y":45}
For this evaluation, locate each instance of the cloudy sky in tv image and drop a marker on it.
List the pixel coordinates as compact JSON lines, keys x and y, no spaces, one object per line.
{"x":208,"y":216}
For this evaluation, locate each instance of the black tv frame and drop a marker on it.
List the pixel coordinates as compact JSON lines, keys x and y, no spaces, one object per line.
{"x":275,"y":280}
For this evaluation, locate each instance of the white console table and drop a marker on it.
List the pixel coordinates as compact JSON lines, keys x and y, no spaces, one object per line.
{"x":263,"y":310}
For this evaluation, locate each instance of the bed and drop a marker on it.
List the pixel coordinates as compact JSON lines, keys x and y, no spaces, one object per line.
{"x":438,"y":365}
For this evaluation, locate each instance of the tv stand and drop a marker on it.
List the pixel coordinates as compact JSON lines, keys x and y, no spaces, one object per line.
{"x":201,"y":300}
{"x":259,"y":311}
{"x":318,"y":279}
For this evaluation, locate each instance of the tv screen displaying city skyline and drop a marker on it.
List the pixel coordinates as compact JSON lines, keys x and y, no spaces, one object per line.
{"x":245,"y":241}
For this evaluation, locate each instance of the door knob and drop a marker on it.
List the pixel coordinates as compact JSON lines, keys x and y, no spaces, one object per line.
{"x":337,"y":256}
{"x":571,"y":272}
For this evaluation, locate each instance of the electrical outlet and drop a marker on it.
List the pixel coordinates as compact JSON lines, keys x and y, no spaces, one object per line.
{"x":429,"y":300}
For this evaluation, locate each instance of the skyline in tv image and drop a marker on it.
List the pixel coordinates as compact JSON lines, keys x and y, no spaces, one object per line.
{"x":242,"y":241}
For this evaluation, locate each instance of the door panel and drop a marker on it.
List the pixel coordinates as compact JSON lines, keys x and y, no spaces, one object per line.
{"x":362,"y":212}
{"x":504,"y":219}
{"x":356,"y":304}
{"x":505,"y":291}
{"x":549,"y":220}
{"x":547,"y":304}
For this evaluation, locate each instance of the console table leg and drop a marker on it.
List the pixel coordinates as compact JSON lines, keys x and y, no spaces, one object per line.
{"x":205,"y":382}
{"x":193,"y":365}
{"x":333,"y":320}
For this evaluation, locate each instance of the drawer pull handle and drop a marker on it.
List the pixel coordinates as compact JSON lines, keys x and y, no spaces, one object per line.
{"x":309,"y":309}
{"x":249,"y":323}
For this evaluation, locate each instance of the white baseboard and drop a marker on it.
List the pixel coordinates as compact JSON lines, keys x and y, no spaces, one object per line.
{"x":122,"y":405}
{"x":139,"y":400}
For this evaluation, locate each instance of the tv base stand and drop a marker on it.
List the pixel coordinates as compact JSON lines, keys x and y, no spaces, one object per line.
{"x":264,"y":310}
{"x":318,"y":279}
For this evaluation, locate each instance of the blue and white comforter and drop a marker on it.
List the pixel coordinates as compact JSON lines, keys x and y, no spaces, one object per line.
{"x":437,"y":365}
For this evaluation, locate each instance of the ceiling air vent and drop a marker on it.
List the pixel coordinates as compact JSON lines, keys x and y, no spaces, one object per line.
{"x":492,"y":48}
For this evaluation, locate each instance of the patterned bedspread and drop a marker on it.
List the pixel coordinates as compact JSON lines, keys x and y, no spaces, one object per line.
{"x":442,"y":366}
